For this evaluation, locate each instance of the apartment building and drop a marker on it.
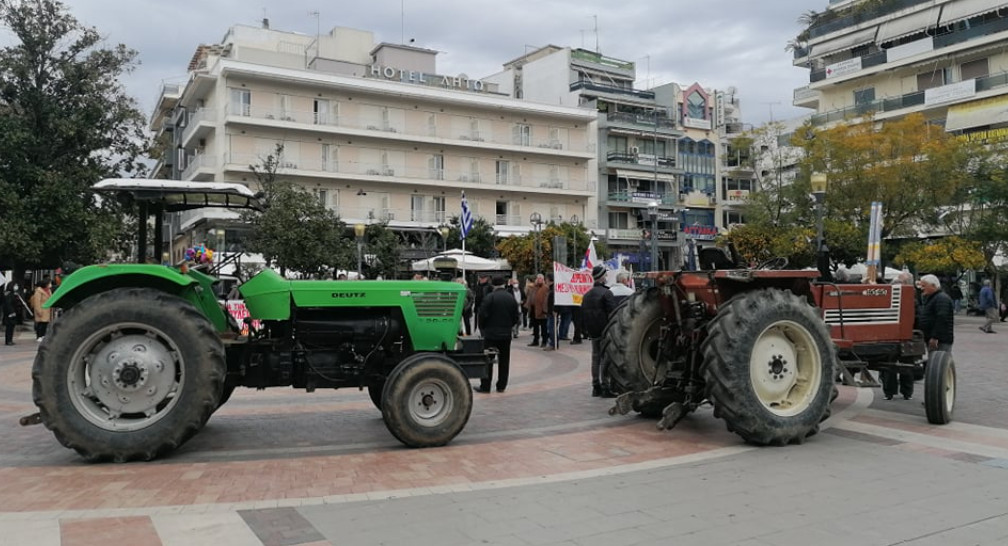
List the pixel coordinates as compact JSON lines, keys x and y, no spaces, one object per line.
{"x":943,"y":58}
{"x":375,"y":132}
{"x":658,"y":146}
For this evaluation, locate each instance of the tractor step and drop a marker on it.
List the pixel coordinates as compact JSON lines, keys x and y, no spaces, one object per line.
{"x":855,"y":373}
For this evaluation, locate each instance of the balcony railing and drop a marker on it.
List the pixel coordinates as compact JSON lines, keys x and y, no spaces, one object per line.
{"x":945,"y":40}
{"x":830,"y":23}
{"x":640,"y":159}
{"x":357,"y":168}
{"x":540,"y":138}
{"x":508,"y":220}
{"x":197,"y":162}
{"x":648,"y":120}
{"x":602,"y":88}
{"x":199,"y":116}
{"x":904,"y":101}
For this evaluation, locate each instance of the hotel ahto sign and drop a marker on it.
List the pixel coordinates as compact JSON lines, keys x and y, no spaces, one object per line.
{"x":413,"y":76}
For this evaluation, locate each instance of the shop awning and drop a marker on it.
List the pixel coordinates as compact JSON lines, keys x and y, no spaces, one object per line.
{"x":977,"y":113}
{"x":964,"y":9}
{"x":911,"y":24}
{"x":848,"y":41}
{"x":641,"y":175}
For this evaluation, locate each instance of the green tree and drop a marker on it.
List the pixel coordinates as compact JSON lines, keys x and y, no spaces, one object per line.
{"x":381,"y":246}
{"x":480,"y":240}
{"x":295,"y":231}
{"x":65,"y":123}
{"x":979,"y":210}
{"x":948,"y":255}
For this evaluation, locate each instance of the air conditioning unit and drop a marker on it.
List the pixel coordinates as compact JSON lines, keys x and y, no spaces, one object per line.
{"x":634,"y":150}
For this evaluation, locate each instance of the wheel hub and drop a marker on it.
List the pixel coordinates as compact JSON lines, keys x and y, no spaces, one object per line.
{"x":131,"y":374}
{"x":430,"y":403}
{"x":784,"y":368}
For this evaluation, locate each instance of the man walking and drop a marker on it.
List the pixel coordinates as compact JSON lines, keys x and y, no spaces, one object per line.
{"x":989,"y":306}
{"x":497,"y":317}
{"x":480,"y":292}
{"x":537,"y":311}
{"x":596,"y":306}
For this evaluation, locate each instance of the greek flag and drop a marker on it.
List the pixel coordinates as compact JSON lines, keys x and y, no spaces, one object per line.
{"x":466,"y":217}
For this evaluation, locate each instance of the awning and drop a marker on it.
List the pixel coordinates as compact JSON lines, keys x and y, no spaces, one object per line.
{"x":845,"y":42}
{"x":977,"y":113}
{"x":911,"y":24}
{"x":964,"y":9}
{"x":641,"y":175}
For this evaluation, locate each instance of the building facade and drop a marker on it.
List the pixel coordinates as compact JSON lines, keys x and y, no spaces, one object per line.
{"x":659,"y":171}
{"x":943,"y":58}
{"x":375,"y":132}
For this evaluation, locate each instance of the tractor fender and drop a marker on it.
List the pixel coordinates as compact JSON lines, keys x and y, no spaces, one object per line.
{"x":94,"y":279}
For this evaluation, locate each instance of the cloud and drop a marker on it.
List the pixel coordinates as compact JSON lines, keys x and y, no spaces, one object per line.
{"x":718,"y":43}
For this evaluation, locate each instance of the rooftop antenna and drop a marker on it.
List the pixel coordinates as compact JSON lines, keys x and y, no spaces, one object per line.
{"x":402,"y":21}
{"x":318,"y":29}
{"x":770,"y":104}
{"x":597,"y":50}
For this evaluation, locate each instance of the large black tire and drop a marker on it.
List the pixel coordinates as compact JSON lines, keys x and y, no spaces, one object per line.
{"x":769,"y":367}
{"x":939,"y":388}
{"x":375,"y":390}
{"x":630,"y":343}
{"x":128,"y":374}
{"x":427,"y":400}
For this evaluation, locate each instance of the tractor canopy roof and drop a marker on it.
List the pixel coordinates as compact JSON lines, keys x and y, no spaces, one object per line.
{"x":175,"y":195}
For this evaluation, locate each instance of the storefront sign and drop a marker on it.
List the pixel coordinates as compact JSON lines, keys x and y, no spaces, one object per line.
{"x":738,"y":195}
{"x":413,"y":76}
{"x":696,"y":123}
{"x":701,"y":232}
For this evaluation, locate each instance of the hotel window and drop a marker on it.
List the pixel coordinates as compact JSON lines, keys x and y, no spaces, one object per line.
{"x":933,"y":78}
{"x":435,"y":166}
{"x":973,"y":69}
{"x":330,"y":158}
{"x":522,"y":134}
{"x":417,"y":208}
{"x":432,"y":125}
{"x":241,"y":102}
{"x":439,"y":209}
{"x":320,"y":108}
{"x":503,"y":171}
{"x":286,"y":108}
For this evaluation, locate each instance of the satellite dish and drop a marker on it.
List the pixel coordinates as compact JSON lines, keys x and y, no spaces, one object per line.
{"x":463,"y":76}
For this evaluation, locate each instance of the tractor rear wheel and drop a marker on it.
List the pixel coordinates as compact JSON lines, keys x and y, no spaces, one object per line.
{"x":375,"y":388}
{"x":427,"y":400}
{"x":128,"y":374}
{"x":939,"y":388}
{"x":630,"y":346}
{"x":769,"y":367}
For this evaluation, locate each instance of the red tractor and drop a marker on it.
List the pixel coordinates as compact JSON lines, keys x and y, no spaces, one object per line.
{"x":763,"y":346}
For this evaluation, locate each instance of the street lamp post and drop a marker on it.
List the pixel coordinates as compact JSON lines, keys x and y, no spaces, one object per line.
{"x":359,"y":230}
{"x":537,"y":222}
{"x":444,"y":230}
{"x":576,"y":222}
{"x":818,"y":181}
{"x":652,"y":210}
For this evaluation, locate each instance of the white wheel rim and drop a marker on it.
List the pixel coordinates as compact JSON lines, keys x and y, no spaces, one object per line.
{"x":785,"y":368}
{"x":125,"y":377}
{"x":949,"y":388}
{"x":430,"y":402}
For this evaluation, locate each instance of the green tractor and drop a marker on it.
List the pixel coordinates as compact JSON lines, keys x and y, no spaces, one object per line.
{"x":143,"y":354}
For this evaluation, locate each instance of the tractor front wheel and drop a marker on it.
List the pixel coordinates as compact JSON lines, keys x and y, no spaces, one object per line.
{"x":939,"y":388}
{"x":769,"y":367}
{"x":427,"y":400}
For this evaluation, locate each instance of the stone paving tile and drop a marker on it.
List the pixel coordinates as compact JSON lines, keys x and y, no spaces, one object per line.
{"x":281,"y":527}
{"x":135,"y":531}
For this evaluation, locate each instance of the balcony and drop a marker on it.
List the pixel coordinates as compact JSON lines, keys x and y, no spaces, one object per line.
{"x":199,"y":167}
{"x":643,"y":197}
{"x":832,"y":21}
{"x":611,"y":90}
{"x":357,"y":169}
{"x":644,"y":160}
{"x":377,"y":127}
{"x":508,"y":220}
{"x":200,"y":123}
{"x":805,"y":97}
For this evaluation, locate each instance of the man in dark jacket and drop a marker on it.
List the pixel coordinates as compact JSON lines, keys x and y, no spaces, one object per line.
{"x":9,"y":312}
{"x":596,"y":306}
{"x":497,"y":317}
{"x":934,"y":319}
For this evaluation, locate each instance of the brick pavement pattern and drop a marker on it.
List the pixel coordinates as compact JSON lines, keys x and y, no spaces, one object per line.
{"x":540,"y":464}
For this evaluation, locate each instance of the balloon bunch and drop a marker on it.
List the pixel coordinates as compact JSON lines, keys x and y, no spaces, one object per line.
{"x":199,"y":255}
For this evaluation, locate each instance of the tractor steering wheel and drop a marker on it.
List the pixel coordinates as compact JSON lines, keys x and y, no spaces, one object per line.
{"x":777,"y":262}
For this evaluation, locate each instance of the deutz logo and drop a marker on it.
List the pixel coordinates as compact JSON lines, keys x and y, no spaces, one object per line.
{"x":348,"y":294}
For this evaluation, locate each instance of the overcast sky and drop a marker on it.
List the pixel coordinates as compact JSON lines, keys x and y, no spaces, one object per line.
{"x":718,"y":43}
